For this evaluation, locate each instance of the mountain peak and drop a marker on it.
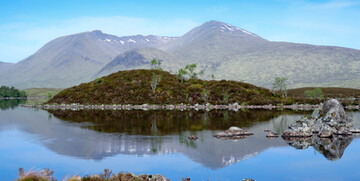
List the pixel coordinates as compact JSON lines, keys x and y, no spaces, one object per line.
{"x":226,"y":28}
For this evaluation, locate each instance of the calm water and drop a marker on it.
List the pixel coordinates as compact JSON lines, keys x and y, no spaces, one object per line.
{"x":151,"y":142}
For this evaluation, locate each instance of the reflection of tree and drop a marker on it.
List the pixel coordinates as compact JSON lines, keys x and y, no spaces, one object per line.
{"x":163,"y":122}
{"x":154,"y":130}
{"x":332,"y":148}
{"x":10,"y":103}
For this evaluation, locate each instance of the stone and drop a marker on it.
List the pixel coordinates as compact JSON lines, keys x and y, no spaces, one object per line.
{"x":355,"y":130}
{"x":298,"y":129}
{"x":192,"y":137}
{"x":328,"y":119}
{"x":326,"y":131}
{"x":272,"y":135}
{"x":75,"y":178}
{"x":233,"y":132}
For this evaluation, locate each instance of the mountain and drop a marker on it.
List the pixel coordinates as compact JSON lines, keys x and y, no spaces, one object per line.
{"x":220,"y":49}
{"x":4,"y":66}
{"x":233,"y":53}
{"x":70,"y":60}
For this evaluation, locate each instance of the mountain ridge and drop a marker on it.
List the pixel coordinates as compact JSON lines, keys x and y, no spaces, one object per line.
{"x":220,"y":49}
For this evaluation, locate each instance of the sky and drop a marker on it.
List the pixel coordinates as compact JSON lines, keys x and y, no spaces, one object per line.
{"x":27,"y":25}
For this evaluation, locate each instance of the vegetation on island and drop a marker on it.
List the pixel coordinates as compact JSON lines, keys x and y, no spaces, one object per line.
{"x":156,"y":86}
{"x":327,"y":92}
{"x":11,"y":92}
{"x":42,"y":92}
{"x":138,"y":87}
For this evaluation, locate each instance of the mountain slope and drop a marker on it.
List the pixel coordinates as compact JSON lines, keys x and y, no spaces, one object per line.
{"x":4,"y":66}
{"x":232,"y":53}
{"x":220,"y":49}
{"x":73,"y":59}
{"x":135,"y":59}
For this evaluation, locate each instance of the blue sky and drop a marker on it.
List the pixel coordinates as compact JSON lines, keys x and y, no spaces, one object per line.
{"x":27,"y":25}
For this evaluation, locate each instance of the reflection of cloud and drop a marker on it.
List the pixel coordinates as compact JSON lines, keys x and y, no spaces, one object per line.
{"x":32,"y":35}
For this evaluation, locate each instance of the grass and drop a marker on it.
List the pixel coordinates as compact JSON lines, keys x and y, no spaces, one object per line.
{"x":133,"y":87}
{"x":41,"y":92}
{"x":334,"y":92}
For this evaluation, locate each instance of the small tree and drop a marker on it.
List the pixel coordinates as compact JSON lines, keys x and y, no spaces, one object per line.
{"x":181,"y":75}
{"x":315,"y":93}
{"x":155,"y":80}
{"x":204,"y":95}
{"x":155,"y":64}
{"x":279,"y":85}
{"x":191,"y":71}
{"x":226,"y":98}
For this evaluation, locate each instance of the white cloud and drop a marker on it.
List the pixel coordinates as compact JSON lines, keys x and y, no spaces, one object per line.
{"x":31,"y":36}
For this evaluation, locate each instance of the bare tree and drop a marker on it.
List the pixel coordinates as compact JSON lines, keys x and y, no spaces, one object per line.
{"x":155,"y":80}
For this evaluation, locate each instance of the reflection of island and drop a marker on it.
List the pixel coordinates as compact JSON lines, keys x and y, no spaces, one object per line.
{"x":10,"y":103}
{"x":100,"y":134}
{"x":332,"y":148}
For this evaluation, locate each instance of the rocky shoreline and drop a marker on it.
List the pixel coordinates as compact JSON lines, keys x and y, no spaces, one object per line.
{"x":233,"y":107}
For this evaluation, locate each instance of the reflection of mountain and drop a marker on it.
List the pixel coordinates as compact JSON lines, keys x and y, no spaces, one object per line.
{"x":75,"y":139}
{"x":332,"y":148}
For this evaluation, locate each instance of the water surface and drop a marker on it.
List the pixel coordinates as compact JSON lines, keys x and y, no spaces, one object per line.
{"x":151,"y":142}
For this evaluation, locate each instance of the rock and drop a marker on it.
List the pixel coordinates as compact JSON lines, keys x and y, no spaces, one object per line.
{"x":233,"y":132}
{"x":298,"y":129}
{"x":267,"y":130}
{"x":272,"y":135}
{"x":248,"y":179}
{"x":328,"y":119}
{"x":355,"y":130}
{"x":156,"y":177}
{"x":75,"y":178}
{"x":326,"y":131}
{"x":192,"y":137}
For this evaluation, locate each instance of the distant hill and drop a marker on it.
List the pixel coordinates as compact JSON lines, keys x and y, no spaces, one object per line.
{"x":133,"y":87}
{"x":220,"y":49}
{"x":327,"y":91}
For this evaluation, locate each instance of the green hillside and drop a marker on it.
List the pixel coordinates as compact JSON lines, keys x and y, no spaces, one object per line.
{"x":327,"y":92}
{"x":133,"y":87}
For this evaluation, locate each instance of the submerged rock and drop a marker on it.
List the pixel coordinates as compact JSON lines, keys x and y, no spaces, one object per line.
{"x":233,"y":133}
{"x":327,"y":120}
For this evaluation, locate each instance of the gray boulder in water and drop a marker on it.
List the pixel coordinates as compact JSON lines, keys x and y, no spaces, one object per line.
{"x":233,"y":133}
{"x":330,"y":118}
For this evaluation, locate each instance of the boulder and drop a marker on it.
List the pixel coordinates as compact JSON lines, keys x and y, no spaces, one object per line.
{"x":233,"y":132}
{"x":327,"y":120}
{"x":300,"y":128}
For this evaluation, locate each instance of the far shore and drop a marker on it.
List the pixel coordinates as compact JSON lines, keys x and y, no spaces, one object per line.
{"x":207,"y":107}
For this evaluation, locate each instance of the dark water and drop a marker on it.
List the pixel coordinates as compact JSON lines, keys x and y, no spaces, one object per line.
{"x":151,"y":142}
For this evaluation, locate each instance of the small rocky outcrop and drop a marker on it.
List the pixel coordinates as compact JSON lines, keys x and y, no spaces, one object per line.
{"x":272,"y":135}
{"x":327,"y":120}
{"x":233,"y":133}
{"x":192,"y":137}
